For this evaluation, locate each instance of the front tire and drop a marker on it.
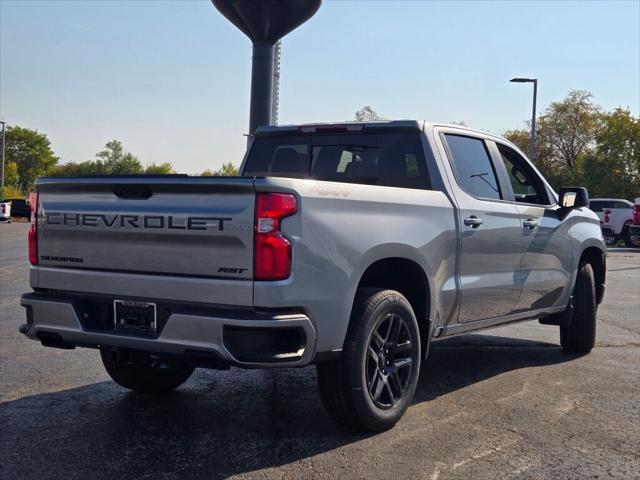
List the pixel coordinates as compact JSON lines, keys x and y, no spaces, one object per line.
{"x":142,"y":372}
{"x":370,"y":386}
{"x":580,"y":335}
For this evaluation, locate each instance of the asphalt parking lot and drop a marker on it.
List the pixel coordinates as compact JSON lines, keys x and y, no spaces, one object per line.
{"x":504,"y":403}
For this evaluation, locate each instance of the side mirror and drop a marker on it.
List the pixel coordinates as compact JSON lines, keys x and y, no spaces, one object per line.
{"x":574,"y":197}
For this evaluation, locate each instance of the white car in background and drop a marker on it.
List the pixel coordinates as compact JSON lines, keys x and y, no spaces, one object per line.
{"x":616,"y":213}
{"x":5,"y":211}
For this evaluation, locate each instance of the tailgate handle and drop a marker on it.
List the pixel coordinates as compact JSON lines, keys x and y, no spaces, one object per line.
{"x":132,"y":192}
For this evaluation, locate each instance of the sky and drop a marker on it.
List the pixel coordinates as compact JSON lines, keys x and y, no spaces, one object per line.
{"x":171,"y":79}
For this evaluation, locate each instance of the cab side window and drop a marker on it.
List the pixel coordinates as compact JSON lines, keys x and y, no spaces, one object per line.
{"x":596,"y":206}
{"x":473,"y":168}
{"x":526,"y":184}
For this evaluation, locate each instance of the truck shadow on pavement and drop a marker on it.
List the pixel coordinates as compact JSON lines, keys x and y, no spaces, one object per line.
{"x":219,"y":423}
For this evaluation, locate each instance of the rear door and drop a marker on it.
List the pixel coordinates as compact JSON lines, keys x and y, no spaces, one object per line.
{"x":169,"y":226}
{"x":491,"y":234}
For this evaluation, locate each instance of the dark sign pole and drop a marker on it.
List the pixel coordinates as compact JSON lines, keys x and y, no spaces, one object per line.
{"x":261,"y":86}
{"x":265,"y":22}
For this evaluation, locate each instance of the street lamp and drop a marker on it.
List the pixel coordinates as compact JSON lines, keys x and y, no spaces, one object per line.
{"x":533,"y":115}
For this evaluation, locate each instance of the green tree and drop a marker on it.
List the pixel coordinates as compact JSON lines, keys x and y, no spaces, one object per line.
{"x":566,"y":136}
{"x":227,"y":170}
{"x":568,"y":129}
{"x":31,"y":151}
{"x":9,"y":191}
{"x":11,"y":176}
{"x":11,"y":188}
{"x":367,"y":114}
{"x":519,"y":137}
{"x":613,"y":170}
{"x":159,"y":168}
{"x":114,"y":160}
{"x":70,"y":169}
{"x":545,"y":161}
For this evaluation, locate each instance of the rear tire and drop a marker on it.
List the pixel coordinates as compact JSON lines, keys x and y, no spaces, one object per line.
{"x":142,"y":372}
{"x":626,"y":235}
{"x":370,"y":386}
{"x":580,"y":335}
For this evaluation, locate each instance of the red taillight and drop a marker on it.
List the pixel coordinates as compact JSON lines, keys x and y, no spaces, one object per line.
{"x":606,"y":216}
{"x":636,"y":214}
{"x":33,"y":231}
{"x":272,"y":255}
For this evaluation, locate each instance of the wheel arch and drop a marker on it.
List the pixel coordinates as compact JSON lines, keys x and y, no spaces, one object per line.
{"x":597,"y":258}
{"x":410,"y":279}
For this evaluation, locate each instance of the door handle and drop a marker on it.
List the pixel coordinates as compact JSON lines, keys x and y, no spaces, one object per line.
{"x":530,"y":223}
{"x":473,"y":221}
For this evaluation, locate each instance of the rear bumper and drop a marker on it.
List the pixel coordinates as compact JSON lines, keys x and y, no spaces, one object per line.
{"x":288,"y":339}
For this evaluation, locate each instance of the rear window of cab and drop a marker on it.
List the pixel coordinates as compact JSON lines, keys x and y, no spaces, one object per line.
{"x":385,"y":159}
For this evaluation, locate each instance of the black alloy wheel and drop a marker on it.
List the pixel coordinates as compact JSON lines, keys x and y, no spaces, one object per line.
{"x":372,"y":383}
{"x":388,"y":368}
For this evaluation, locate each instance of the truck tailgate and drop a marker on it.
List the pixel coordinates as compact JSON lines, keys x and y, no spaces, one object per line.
{"x":198,"y":227}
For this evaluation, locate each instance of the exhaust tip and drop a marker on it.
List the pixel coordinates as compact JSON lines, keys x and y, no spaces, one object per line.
{"x":54,"y":340}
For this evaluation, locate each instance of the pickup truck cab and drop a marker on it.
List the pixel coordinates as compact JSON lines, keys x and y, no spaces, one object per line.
{"x":348,"y":246}
{"x":19,"y":207}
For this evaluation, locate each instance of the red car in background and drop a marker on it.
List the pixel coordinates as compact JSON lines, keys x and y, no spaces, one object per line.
{"x":634,"y":228}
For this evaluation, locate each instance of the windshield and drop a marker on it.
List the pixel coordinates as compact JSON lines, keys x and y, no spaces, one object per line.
{"x":387,"y":159}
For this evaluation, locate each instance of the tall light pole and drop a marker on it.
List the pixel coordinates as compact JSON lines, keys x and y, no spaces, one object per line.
{"x":533,"y":115}
{"x":4,"y":140}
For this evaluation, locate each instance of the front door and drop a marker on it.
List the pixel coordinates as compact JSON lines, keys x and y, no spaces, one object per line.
{"x":547,"y":254}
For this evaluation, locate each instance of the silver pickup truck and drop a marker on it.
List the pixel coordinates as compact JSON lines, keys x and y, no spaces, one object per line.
{"x":347,"y":246}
